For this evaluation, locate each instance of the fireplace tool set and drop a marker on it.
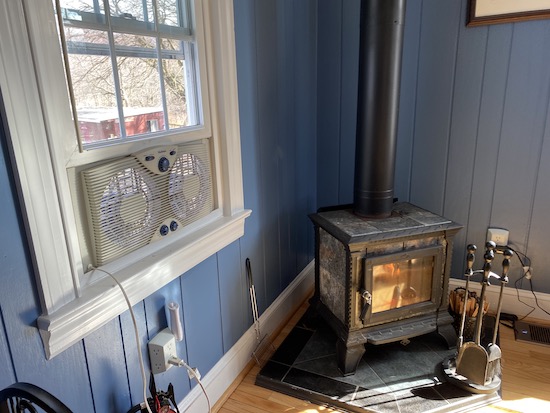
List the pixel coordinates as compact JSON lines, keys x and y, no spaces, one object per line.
{"x":476,"y":368}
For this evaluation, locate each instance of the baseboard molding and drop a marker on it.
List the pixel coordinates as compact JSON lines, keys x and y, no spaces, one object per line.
{"x":228,"y":368}
{"x":510,"y":302}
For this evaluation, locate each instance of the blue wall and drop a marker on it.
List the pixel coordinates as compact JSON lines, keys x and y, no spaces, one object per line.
{"x":473,"y":145}
{"x":276,"y":54}
{"x":474,"y":124}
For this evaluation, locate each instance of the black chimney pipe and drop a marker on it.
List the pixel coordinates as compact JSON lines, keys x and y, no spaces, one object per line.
{"x":381,"y":44}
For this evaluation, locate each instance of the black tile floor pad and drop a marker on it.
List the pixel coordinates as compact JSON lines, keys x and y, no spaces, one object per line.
{"x":390,"y":378}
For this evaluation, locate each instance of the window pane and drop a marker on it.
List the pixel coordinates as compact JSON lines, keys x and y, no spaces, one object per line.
{"x":141,"y":10}
{"x":169,"y":14}
{"x":174,"y":70}
{"x":92,"y":83}
{"x":83,"y":12}
{"x":139,"y":83}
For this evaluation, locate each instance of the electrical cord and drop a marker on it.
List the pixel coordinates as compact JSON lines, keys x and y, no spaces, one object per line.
{"x":526,"y":275}
{"x":193,"y":373}
{"x":145,"y":404}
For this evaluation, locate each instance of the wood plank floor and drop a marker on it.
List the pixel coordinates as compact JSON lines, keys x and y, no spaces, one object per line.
{"x":525,"y":389}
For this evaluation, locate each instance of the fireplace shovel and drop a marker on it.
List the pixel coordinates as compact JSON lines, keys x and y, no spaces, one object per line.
{"x":473,"y":360}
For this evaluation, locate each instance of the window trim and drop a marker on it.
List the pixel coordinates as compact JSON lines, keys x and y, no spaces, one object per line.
{"x":69,"y":312}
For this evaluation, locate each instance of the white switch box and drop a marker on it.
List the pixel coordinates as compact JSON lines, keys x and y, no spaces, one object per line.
{"x":498,"y":235}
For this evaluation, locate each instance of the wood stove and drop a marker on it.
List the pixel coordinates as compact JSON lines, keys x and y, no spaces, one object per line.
{"x":382,"y":268}
{"x":382,"y":280}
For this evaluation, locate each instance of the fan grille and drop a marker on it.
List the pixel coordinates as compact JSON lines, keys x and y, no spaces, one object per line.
{"x":128,"y":204}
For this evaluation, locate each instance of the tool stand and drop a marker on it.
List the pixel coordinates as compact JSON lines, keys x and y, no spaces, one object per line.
{"x":478,"y":374}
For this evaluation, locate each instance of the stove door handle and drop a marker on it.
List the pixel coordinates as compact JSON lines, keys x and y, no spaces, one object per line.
{"x":367,"y":297}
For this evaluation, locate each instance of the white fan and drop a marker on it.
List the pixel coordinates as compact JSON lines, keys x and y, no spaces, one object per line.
{"x":144,"y":197}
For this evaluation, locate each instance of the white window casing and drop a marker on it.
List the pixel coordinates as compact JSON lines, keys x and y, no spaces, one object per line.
{"x":42,"y":140}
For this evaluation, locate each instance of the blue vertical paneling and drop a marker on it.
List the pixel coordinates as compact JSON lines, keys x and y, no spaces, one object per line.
{"x":329,"y":77}
{"x":495,"y":78}
{"x":131,"y":353}
{"x":7,"y":375}
{"x":540,"y":224}
{"x":305,"y":133}
{"x":466,"y":103}
{"x":523,"y":129}
{"x":108,"y":377}
{"x":286,"y":136}
{"x":348,"y":109}
{"x":407,"y":97}
{"x":268,"y":95}
{"x":436,"y":70}
{"x":277,"y":75}
{"x":234,"y":300}
{"x":252,"y":244}
{"x":202,"y":317}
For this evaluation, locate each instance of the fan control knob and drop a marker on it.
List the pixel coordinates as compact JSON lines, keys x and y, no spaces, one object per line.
{"x":173,"y":226}
{"x":164,"y":164}
{"x":164,"y":230}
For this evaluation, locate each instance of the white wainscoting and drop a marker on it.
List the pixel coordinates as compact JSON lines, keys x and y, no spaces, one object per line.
{"x":510,"y":302}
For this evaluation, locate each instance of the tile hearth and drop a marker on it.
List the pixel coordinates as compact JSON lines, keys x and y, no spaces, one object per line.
{"x":390,"y":378}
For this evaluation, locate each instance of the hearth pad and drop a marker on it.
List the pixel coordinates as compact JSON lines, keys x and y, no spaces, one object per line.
{"x":390,"y":378}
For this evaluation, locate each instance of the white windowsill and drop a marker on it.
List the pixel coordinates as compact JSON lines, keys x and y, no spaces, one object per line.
{"x":102,"y":301}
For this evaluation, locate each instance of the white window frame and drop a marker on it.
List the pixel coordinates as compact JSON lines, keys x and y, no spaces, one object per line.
{"x":71,"y":309}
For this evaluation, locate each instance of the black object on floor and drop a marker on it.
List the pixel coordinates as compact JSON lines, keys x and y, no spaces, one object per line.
{"x":390,"y":378}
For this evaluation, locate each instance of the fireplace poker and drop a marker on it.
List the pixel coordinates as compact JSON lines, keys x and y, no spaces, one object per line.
{"x":261,"y":340}
{"x":493,"y":349}
{"x":469,"y":272}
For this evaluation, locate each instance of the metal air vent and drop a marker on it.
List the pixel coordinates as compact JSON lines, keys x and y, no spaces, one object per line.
{"x":532,"y":333}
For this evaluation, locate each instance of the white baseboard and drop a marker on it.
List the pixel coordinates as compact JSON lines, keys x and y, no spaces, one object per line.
{"x":226,"y":370}
{"x":510,"y":302}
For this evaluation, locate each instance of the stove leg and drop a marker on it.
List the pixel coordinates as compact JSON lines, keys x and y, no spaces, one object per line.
{"x":348,"y":358}
{"x":448,"y":332}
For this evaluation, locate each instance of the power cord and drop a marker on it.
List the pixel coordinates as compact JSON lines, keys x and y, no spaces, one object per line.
{"x":141,"y":365}
{"x":193,"y":373}
{"x":526,"y":265}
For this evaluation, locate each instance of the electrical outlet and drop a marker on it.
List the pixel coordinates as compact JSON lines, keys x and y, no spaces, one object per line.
{"x":498,"y":235}
{"x":161,"y":349}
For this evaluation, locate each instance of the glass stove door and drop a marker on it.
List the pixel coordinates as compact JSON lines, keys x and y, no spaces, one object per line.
{"x":402,"y":283}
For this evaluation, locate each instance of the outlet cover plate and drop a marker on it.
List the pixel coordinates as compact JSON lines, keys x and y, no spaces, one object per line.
{"x":498,"y":235}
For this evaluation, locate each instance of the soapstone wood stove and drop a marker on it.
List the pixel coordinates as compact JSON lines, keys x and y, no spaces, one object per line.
{"x":381,"y":267}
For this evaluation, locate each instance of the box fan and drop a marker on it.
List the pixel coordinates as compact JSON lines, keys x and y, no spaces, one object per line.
{"x":145,"y":197}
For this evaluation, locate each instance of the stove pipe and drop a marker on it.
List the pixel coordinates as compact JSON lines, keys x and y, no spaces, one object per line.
{"x":381,"y":44}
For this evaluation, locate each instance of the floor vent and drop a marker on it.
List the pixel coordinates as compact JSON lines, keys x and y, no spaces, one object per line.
{"x":533,"y":333}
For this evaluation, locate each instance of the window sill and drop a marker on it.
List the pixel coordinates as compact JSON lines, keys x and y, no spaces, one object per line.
{"x":102,"y":301}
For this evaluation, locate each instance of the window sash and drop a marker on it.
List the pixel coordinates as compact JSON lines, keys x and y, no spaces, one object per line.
{"x":69,"y":311}
{"x":114,"y":28}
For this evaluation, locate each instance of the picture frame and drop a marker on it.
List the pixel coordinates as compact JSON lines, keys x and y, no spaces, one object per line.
{"x":482,"y":12}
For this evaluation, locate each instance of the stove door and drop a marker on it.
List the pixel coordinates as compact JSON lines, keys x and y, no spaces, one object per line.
{"x":404,"y":284}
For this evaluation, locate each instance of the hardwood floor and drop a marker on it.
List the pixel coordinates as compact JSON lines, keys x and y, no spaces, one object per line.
{"x":525,"y":389}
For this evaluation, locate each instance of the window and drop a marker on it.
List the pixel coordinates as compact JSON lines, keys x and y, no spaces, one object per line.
{"x":129,"y":61}
{"x":189,"y":135}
